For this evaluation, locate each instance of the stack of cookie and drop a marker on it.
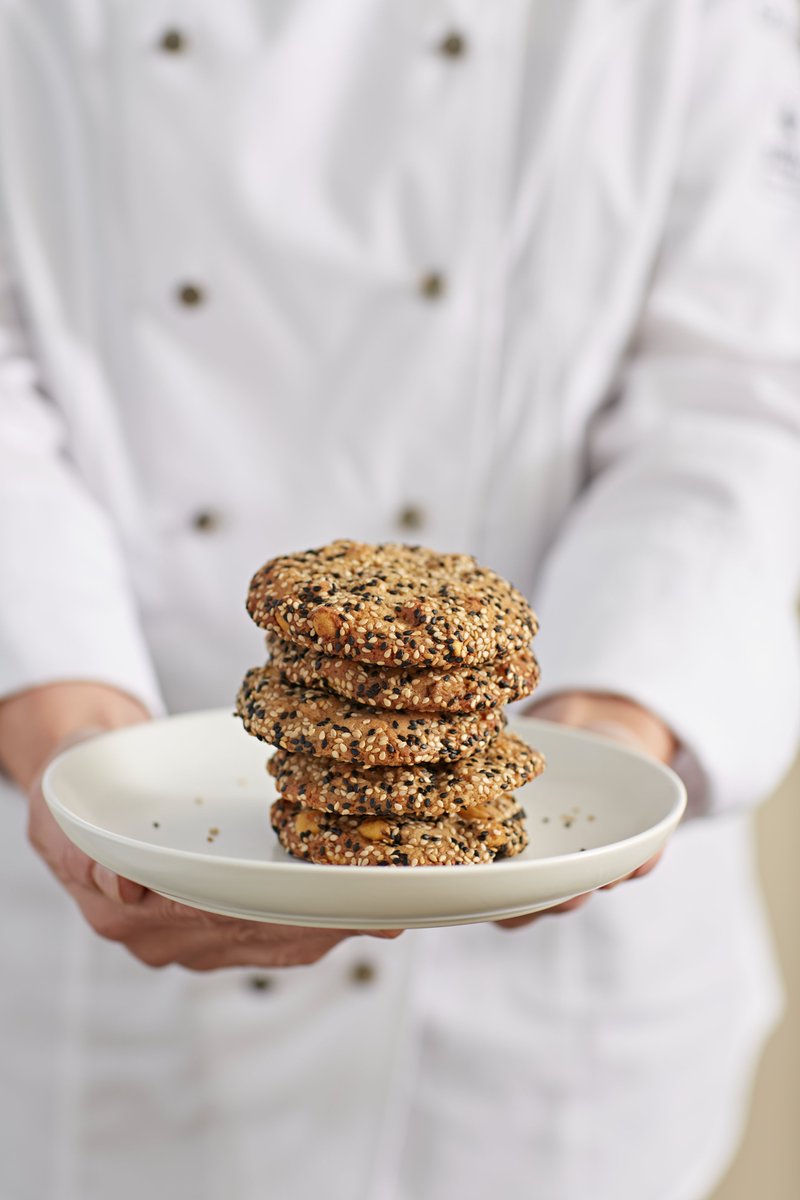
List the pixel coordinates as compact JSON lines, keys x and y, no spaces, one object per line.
{"x":389,"y":668}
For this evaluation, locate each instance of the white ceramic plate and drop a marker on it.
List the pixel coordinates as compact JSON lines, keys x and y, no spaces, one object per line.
{"x":182,"y":806}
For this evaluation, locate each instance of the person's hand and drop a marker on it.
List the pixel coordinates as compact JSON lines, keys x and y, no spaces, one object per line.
{"x":616,"y":718}
{"x":33,"y":727}
{"x":158,"y":931}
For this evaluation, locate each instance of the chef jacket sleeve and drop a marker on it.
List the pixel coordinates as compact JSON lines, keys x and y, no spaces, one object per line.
{"x":66,"y":608}
{"x":674,"y":579}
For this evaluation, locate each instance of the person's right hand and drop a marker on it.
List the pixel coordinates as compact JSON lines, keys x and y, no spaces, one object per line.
{"x":159,"y":931}
{"x":33,"y":727}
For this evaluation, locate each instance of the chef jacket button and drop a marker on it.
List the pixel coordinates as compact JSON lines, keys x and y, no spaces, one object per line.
{"x":362,"y":973}
{"x":260,"y":983}
{"x":411,"y":518}
{"x":454,"y":45}
{"x":432,"y":285}
{"x":191,"y":295}
{"x":172,"y":41}
{"x":206,"y":521}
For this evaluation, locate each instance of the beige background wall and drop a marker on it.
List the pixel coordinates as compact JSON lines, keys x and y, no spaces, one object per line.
{"x":768,"y":1164}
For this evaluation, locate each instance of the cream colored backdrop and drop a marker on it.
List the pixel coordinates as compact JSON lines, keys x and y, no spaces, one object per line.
{"x":768,"y":1164}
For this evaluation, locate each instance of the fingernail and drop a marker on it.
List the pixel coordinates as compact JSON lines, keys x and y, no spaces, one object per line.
{"x":130,"y":892}
{"x":114,"y":887}
{"x":106,"y":882}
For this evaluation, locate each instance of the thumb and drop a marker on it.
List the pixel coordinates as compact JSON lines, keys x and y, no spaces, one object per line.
{"x":115,"y":887}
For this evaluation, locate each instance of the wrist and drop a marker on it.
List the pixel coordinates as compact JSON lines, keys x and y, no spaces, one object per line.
{"x":36,"y":723}
{"x":610,"y":714}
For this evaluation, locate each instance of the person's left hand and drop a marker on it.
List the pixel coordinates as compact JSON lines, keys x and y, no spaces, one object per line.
{"x":616,"y":718}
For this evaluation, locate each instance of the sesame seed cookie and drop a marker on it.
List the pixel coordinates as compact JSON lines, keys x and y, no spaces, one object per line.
{"x":427,"y":689}
{"x":391,"y":604}
{"x":307,"y":720}
{"x":479,"y":834}
{"x":423,"y":791}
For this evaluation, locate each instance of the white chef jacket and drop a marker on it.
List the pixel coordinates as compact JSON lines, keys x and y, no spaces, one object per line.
{"x":519,"y":279}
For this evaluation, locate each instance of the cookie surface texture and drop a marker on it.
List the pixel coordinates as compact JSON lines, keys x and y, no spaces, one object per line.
{"x":391,"y":604}
{"x":479,"y":834}
{"x":310,"y":721}
{"x":428,"y":689}
{"x":423,"y":791}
